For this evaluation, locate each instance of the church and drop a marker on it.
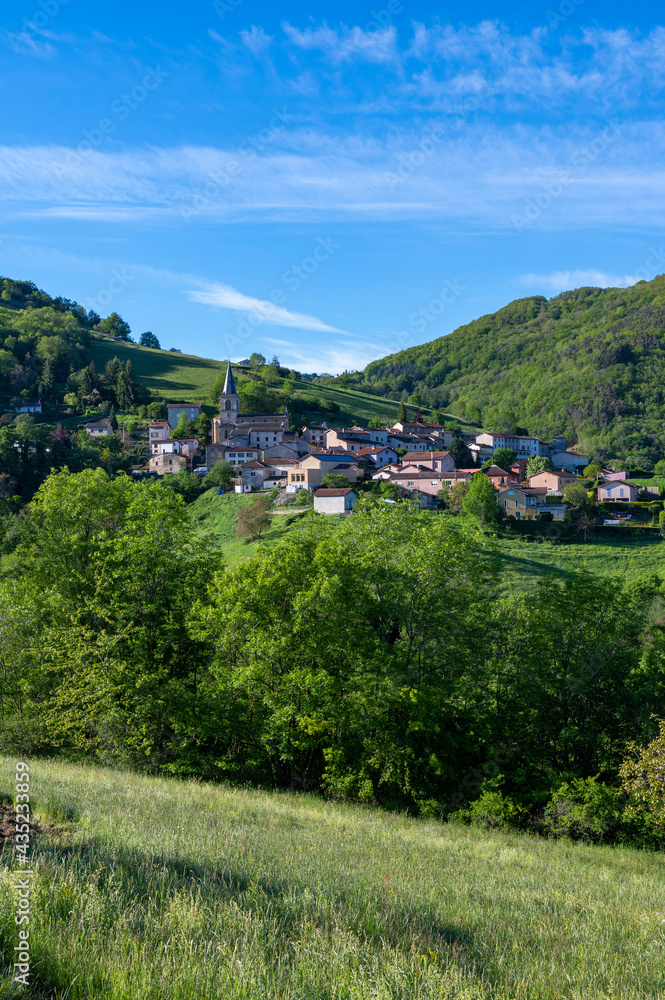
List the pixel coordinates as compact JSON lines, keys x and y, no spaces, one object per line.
{"x":238,"y":438}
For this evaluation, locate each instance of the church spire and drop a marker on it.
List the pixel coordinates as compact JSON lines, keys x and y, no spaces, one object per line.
{"x":229,"y":384}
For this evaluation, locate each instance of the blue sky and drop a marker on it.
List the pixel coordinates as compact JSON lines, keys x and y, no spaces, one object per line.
{"x":328,"y":182}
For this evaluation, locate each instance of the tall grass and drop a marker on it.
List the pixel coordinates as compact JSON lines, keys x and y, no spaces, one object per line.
{"x":169,"y":889}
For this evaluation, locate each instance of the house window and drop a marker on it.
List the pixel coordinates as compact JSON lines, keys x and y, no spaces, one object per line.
{"x":621,"y":493}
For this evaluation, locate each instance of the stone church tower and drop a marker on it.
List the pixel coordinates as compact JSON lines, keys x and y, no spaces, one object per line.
{"x":230,"y":400}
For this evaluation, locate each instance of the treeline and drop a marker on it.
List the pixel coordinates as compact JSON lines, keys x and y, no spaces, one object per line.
{"x":589,"y":364}
{"x":371,"y":660}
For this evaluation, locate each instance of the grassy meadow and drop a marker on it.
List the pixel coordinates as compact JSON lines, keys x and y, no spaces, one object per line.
{"x":526,"y":563}
{"x":155,"y":888}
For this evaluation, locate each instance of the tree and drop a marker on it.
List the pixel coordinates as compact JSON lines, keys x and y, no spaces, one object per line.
{"x":182,"y":428}
{"x":148,"y":339}
{"x":454,"y":496}
{"x":461,"y":455}
{"x":479,"y":502}
{"x":593,"y":470}
{"x":335,"y":480}
{"x":47,"y":381}
{"x":126,"y":389}
{"x":256,"y":360}
{"x":504,"y":457}
{"x":575,"y":494}
{"x":642,"y":776}
{"x":186,"y":484}
{"x":660,"y":467}
{"x":220,"y":477}
{"x":115,"y":326}
{"x":536,"y":464}
{"x":274,"y":361}
{"x":401,"y":416}
{"x":269,"y":374}
{"x":252,"y":519}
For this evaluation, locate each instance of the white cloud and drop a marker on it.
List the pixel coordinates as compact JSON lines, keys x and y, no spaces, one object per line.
{"x":224,"y":297}
{"x":563,"y":281}
{"x":348,"y":44}
{"x":256,"y":40}
{"x":476,"y":174}
{"x":345,"y":355}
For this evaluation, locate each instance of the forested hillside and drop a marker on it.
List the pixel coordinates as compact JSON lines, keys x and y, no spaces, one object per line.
{"x":588,"y":363}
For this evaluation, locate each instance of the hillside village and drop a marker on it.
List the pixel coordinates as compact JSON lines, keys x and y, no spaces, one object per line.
{"x":424,"y":460}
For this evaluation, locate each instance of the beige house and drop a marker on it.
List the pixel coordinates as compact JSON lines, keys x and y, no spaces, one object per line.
{"x":553,"y":482}
{"x":523,"y":501}
{"x":99,"y":428}
{"x":313,"y":468}
{"x":617,"y":491}
{"x":159,"y":430}
{"x":437,"y":461}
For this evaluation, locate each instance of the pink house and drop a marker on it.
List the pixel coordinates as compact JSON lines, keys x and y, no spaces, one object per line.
{"x":619,"y":490}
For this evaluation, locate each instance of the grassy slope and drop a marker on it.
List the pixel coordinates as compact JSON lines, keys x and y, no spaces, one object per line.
{"x":185,"y":377}
{"x":213,"y":520}
{"x":164,"y":889}
{"x":524,"y":564}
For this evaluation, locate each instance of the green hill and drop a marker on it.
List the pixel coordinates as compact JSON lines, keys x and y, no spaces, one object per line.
{"x":589,"y":364}
{"x":164,"y":889}
{"x":184,"y":377}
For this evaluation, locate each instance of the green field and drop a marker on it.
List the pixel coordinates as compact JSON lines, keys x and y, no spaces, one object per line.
{"x":153,"y":889}
{"x":185,"y":377}
{"x":525,"y":563}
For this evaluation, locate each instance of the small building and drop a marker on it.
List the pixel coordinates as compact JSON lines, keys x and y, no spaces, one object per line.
{"x":334,"y":501}
{"x":315,"y":434}
{"x":437,"y":461}
{"x":159,"y":430}
{"x":167,"y":463}
{"x":377,"y":457}
{"x":572,"y":461}
{"x":522,"y":501}
{"x":618,"y":490}
{"x":175,"y":410}
{"x":99,"y":428}
{"x":499,"y":477}
{"x":29,"y":407}
{"x":553,"y":482}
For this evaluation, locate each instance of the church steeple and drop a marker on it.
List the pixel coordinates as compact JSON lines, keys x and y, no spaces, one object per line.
{"x":230,"y":401}
{"x":229,"y":385}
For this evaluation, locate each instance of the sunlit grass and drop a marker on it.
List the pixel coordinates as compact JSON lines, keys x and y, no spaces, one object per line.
{"x":162,"y":888}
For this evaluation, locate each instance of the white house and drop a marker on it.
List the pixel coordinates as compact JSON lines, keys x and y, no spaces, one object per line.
{"x":99,"y":428}
{"x":334,"y":501}
{"x":617,"y":491}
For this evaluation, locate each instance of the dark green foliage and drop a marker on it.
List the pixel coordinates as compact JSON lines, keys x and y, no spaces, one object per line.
{"x":220,"y":477}
{"x":148,"y":339}
{"x":588,"y":364}
{"x":462,"y":457}
{"x":116,"y":326}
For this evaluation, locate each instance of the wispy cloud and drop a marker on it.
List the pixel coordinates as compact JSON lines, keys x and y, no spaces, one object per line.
{"x":346,"y":45}
{"x":224,"y":297}
{"x":562,"y":281}
{"x":344,"y":355}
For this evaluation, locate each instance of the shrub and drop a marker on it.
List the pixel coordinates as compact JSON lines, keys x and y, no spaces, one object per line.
{"x":584,"y":809}
{"x":493,"y":810}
